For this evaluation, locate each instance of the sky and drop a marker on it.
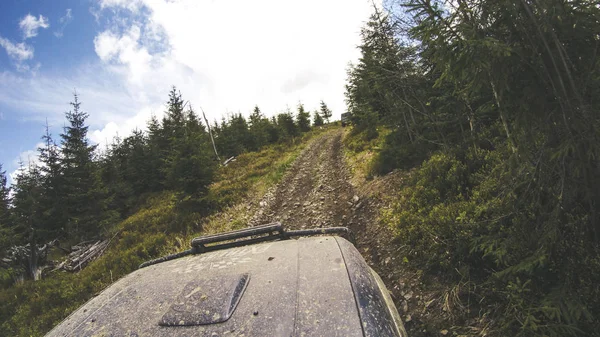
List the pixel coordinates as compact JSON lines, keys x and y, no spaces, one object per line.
{"x":121,"y":57}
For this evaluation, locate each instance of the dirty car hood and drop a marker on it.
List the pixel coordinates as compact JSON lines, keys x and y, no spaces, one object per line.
{"x":283,"y":288}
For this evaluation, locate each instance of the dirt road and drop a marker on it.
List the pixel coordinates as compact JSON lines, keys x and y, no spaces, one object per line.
{"x":315,"y":192}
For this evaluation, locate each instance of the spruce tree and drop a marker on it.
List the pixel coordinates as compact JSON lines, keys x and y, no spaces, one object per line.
{"x":53,"y":203}
{"x":325,"y":112}
{"x":27,"y":204}
{"x":29,"y":220}
{"x":174,"y":121}
{"x":273,"y":131}
{"x":6,"y":230}
{"x":4,"y":197}
{"x":83,"y":191}
{"x":303,"y":118}
{"x":317,"y":119}
{"x":234,"y":136}
{"x":259,"y":129}
{"x":158,"y":146}
{"x":286,"y":125}
{"x":191,"y":165}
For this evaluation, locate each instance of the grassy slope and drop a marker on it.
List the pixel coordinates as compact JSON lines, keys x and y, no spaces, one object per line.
{"x":390,"y":191}
{"x":160,"y":227}
{"x":439,"y":215}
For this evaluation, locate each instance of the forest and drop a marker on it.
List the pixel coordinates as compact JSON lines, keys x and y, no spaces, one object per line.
{"x":492,"y":108}
{"x":78,"y":192}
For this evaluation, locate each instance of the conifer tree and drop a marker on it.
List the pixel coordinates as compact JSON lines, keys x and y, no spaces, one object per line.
{"x":6,"y":230}
{"x":191,"y":164}
{"x":84,"y":196}
{"x":53,"y":203}
{"x":317,"y":119}
{"x":259,"y":129}
{"x":286,"y":125}
{"x":303,"y":118}
{"x":174,"y":120}
{"x":4,"y":197}
{"x":29,"y":219}
{"x":273,"y":131}
{"x":234,"y":136}
{"x":27,"y":203}
{"x":158,"y":146}
{"x":325,"y":112}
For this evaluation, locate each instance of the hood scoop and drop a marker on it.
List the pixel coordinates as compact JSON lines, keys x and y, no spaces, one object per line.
{"x":206,"y":301}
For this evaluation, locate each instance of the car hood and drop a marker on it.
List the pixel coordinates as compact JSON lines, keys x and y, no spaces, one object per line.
{"x":283,"y":288}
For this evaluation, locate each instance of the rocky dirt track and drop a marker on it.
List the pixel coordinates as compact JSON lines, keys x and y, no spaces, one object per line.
{"x":316,"y":192}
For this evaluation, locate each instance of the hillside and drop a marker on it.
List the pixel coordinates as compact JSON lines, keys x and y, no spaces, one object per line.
{"x":162,"y":225}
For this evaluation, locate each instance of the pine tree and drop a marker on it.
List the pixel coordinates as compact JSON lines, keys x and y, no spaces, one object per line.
{"x":29,"y":220}
{"x":191,"y":164}
{"x":286,"y":125}
{"x":234,"y":136}
{"x":158,"y":146}
{"x":53,"y":203}
{"x":259,"y":129}
{"x":325,"y":112}
{"x":4,"y":197}
{"x":273,"y":131}
{"x":303,"y":119}
{"x":84,"y":196}
{"x":27,"y":203}
{"x":174,"y":120}
{"x":6,"y":226}
{"x":317,"y":119}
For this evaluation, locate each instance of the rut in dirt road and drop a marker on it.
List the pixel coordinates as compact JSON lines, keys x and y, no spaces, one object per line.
{"x":315,"y":192}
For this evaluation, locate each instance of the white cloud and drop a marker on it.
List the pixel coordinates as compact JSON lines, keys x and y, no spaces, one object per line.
{"x":41,"y":97}
{"x":64,"y":21}
{"x":229,"y":56}
{"x":132,"y":5}
{"x":17,"y":51}
{"x":30,"y":25}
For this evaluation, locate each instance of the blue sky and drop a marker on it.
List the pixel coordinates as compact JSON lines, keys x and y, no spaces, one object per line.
{"x":122,"y":56}
{"x":55,"y":49}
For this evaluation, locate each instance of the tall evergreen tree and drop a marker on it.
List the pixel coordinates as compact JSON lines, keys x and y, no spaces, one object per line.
{"x":191,"y":164}
{"x":234,"y":136}
{"x":286,"y":125}
{"x":259,"y":129}
{"x":29,"y":220}
{"x":325,"y":112}
{"x":84,"y":196}
{"x":174,"y":120}
{"x":317,"y":119}
{"x":53,"y":202}
{"x":27,"y":201}
{"x":158,"y":147}
{"x":303,"y":118}
{"x":6,"y":226}
{"x":4,"y":197}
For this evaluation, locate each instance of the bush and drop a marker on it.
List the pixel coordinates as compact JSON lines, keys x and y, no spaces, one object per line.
{"x":467,"y":210}
{"x":398,"y":152}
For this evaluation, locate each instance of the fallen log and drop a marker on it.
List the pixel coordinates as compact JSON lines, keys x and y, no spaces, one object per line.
{"x":82,"y":254}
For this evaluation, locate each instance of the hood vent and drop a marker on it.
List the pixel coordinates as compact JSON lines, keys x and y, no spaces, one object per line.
{"x":206,"y":301}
